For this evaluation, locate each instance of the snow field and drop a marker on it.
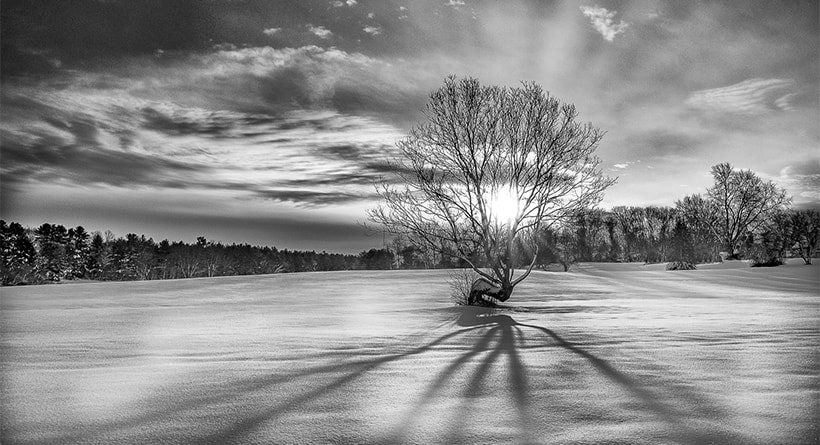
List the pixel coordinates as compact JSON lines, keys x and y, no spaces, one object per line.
{"x":602,"y":354}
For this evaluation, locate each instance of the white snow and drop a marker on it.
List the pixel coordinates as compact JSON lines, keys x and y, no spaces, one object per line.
{"x":602,"y":354}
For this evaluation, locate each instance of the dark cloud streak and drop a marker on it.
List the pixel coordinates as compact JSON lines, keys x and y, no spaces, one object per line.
{"x":661,"y":143}
{"x":86,"y":162}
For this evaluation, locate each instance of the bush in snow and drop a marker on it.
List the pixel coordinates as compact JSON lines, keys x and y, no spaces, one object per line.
{"x":461,"y":282}
{"x":461,"y":285}
{"x":681,"y":265}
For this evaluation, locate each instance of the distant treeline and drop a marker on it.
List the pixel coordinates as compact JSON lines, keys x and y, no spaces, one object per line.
{"x":52,"y":252}
{"x":687,"y":233}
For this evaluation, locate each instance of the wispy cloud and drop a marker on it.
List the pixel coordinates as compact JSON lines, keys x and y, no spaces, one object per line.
{"x":785,"y":102}
{"x":455,"y":3}
{"x":802,"y":181}
{"x":271,"y":31}
{"x":373,"y":30}
{"x":753,"y":96}
{"x":624,"y":165}
{"x":302,"y":157}
{"x":308,"y":198}
{"x":320,"y":31}
{"x":603,"y":21}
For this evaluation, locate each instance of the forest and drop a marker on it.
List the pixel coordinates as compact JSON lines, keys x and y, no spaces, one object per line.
{"x":676,"y":235}
{"x":53,"y":253}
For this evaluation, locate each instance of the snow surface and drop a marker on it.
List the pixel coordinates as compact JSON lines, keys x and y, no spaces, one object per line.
{"x":602,"y":354}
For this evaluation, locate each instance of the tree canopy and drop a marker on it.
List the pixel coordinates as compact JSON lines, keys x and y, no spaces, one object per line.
{"x":742,"y":203}
{"x":489,"y":168}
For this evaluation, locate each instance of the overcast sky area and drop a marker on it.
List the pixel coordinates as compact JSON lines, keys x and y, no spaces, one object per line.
{"x":267,"y":122}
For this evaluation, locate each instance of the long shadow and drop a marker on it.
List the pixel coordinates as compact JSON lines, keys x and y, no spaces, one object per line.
{"x":236,"y":388}
{"x":429,"y":394}
{"x":510,"y":334}
{"x":505,"y":329}
{"x":605,"y":368}
{"x":240,"y":429}
{"x":501,"y":328}
{"x":683,"y":432}
{"x":518,"y":378}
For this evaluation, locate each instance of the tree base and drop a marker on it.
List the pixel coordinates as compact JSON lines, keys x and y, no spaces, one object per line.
{"x":486,"y":294}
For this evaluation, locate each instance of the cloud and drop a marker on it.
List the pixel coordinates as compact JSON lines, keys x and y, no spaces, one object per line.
{"x":77,"y":150}
{"x":802,"y":180}
{"x":351,"y":2}
{"x":311,"y":76}
{"x":320,"y":31}
{"x":785,"y":102}
{"x":455,"y":3}
{"x":309,"y":198}
{"x":305,"y":75}
{"x":663,"y":143}
{"x":372,"y":30}
{"x":271,"y":31}
{"x":623,"y":165}
{"x":302,"y":157}
{"x":603,"y":22}
{"x":263,"y":60}
{"x":167,"y":120}
{"x":752,"y":96}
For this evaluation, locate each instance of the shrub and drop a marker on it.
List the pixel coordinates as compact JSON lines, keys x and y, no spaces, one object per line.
{"x":681,"y":265}
{"x":765,"y":261}
{"x":764,"y":255}
{"x":461,"y":283}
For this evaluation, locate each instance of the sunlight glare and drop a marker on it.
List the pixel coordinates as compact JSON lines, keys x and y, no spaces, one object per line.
{"x":503,"y":204}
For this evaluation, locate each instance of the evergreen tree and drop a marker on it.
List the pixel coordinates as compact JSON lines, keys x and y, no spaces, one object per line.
{"x":52,"y":261}
{"x":18,"y":255}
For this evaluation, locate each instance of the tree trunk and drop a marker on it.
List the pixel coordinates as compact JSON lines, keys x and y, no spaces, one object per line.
{"x":483,"y":288}
{"x":730,"y":250}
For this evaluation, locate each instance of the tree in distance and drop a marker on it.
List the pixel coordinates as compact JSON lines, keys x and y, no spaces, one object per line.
{"x":806,"y":233}
{"x":742,"y":203}
{"x":485,"y":173}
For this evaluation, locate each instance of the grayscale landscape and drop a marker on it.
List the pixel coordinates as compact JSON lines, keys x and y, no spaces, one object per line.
{"x":606,"y":353}
{"x":420,"y":222}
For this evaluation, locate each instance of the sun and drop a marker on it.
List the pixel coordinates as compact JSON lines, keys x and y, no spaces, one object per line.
{"x":504,"y":204}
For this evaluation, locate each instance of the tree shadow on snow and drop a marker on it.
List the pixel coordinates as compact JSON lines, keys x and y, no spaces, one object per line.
{"x":498,"y":335}
{"x":502,"y":335}
{"x":237,"y":430}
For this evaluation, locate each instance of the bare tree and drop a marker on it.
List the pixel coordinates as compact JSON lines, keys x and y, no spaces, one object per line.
{"x":630,"y":221}
{"x":806,"y":233}
{"x":658,"y":225}
{"x":743,"y":203}
{"x":488,"y":169}
{"x":697,"y":218}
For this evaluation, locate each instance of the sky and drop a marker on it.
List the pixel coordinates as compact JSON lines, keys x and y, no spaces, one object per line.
{"x":268,"y":122}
